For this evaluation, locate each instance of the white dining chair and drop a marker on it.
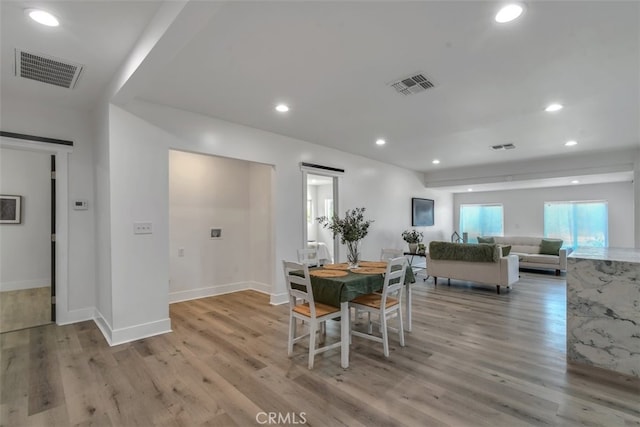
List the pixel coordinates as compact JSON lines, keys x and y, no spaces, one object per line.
{"x":387,"y":253}
{"x":308,"y":257}
{"x":302,"y":306}
{"x":386,"y":305}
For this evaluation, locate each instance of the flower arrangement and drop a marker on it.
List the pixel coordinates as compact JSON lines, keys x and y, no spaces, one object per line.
{"x":351,"y":229}
{"x":412,"y":236}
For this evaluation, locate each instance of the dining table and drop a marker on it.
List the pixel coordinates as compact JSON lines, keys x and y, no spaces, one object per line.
{"x":337,"y":284}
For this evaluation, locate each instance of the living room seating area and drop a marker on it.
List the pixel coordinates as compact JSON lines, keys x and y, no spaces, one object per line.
{"x":534,"y":252}
{"x":485,"y":264}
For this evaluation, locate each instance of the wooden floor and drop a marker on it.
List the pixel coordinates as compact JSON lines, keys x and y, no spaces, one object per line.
{"x":25,"y":308}
{"x":474,"y":358}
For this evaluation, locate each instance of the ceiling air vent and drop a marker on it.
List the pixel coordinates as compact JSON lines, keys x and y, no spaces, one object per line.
{"x":46,"y":69}
{"x":413,"y":84}
{"x":503,"y":147}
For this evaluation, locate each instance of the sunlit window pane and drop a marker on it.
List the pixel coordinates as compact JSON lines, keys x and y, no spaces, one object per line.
{"x":578,"y":223}
{"x":481,"y":220}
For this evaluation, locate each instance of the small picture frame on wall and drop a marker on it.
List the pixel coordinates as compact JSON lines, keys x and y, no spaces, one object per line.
{"x":215,"y":233}
{"x":10,"y":209}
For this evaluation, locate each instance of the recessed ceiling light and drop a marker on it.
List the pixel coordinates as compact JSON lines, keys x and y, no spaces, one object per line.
{"x":380,"y":141}
{"x":469,"y":189}
{"x":571,"y":143}
{"x":282,"y":108}
{"x":575,"y":181}
{"x":436,"y":162}
{"x":508,"y":13}
{"x":553,"y":107}
{"x":42,"y":17}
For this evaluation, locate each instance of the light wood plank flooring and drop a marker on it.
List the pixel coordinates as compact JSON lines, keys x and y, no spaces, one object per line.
{"x":474,"y":358}
{"x":25,"y":308}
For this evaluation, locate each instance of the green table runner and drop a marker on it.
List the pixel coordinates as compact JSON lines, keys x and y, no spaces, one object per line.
{"x":334,"y":290}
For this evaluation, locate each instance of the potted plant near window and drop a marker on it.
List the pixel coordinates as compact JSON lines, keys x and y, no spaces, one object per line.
{"x":412,"y":237}
{"x":351,"y":229}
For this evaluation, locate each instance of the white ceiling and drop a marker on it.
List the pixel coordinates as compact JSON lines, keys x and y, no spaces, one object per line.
{"x":332,"y":62}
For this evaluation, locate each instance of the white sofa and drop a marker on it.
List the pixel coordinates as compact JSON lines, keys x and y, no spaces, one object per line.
{"x":528,"y":251}
{"x":503,"y":271}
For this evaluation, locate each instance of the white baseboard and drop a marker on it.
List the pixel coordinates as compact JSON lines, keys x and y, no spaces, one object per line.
{"x":278,"y":299}
{"x":218,"y":290}
{"x":132,"y":333}
{"x":75,"y":316}
{"x":24,"y":284}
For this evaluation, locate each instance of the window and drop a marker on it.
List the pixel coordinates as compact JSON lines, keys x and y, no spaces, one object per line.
{"x":578,"y":223}
{"x":481,"y":220}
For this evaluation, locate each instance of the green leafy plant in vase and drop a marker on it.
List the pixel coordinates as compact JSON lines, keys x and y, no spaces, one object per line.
{"x":412,"y":237}
{"x":351,"y":229}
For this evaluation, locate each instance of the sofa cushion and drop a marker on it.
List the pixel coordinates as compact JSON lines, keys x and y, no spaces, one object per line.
{"x":541,"y":259}
{"x":550,"y":246}
{"x":486,"y":240}
{"x":463,"y":252}
{"x":506,"y":249}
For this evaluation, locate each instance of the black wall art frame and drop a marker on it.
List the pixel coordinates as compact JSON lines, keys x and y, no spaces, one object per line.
{"x":422,"y":212}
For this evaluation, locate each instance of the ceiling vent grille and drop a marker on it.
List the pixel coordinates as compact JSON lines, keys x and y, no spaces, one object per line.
{"x":411,"y":85}
{"x":503,"y":147}
{"x":46,"y":69}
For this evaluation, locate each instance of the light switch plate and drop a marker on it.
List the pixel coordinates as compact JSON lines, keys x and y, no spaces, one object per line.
{"x":142,"y":228}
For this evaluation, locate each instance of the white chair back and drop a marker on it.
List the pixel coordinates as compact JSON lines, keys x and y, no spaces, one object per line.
{"x":387,"y":253}
{"x":394,"y":279}
{"x":302,"y":289}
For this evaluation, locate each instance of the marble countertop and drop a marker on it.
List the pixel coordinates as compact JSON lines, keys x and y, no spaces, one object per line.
{"x":607,"y":254}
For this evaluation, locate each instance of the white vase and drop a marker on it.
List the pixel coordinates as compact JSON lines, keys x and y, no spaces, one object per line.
{"x":413,"y":248}
{"x":353,"y":253}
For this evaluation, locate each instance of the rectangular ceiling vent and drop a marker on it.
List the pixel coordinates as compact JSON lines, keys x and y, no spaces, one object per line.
{"x":46,"y":69}
{"x":503,"y":147}
{"x":411,"y":85}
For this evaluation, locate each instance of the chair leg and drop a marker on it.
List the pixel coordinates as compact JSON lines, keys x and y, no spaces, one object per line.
{"x":385,"y":335}
{"x":292,"y":334}
{"x":401,"y":328}
{"x":313,"y":326}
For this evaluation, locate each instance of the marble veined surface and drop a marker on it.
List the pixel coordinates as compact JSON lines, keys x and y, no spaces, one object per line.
{"x":607,"y":254}
{"x":603,"y":311}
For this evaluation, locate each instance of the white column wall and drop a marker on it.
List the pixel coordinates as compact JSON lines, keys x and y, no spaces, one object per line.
{"x":139,"y":190}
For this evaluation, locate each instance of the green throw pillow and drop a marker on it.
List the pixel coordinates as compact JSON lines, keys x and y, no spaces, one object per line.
{"x":506,"y":250}
{"x":550,"y":246}
{"x":486,"y":240}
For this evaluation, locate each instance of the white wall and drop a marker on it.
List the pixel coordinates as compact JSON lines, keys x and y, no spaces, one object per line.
{"x":25,"y":248}
{"x":139,"y":192}
{"x":215,"y":192}
{"x":523,"y":209}
{"x":383,"y":189}
{"x":261,"y":226}
{"x":37,"y":118}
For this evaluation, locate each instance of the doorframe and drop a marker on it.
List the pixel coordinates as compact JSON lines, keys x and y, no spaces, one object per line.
{"x":61,"y":153}
{"x":334,"y":174}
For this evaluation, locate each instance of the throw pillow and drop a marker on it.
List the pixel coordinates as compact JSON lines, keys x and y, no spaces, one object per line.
{"x":550,"y":246}
{"x":486,"y":240}
{"x":506,"y":250}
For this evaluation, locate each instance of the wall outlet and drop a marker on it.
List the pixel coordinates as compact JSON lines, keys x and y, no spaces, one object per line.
{"x":215,"y":233}
{"x":142,"y":228}
{"x":180,"y":252}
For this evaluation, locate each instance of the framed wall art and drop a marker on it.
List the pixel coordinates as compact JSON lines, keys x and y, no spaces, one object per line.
{"x":10,"y":209}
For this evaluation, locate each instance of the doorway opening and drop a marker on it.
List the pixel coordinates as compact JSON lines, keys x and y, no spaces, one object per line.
{"x":320,"y":199}
{"x":27,"y":242}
